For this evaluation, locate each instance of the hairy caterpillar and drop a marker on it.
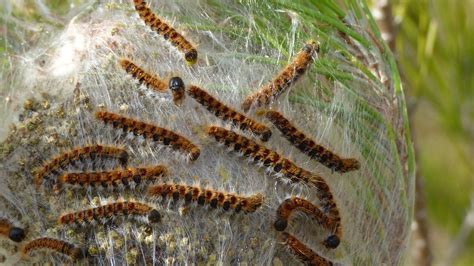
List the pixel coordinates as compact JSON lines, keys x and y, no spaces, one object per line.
{"x":277,"y":164}
{"x":304,"y":253}
{"x":151,"y":81}
{"x":310,"y":147}
{"x":79,"y":154}
{"x":7,"y":229}
{"x":288,"y":76}
{"x":165,"y":30}
{"x":58,"y":245}
{"x":177,"y":88}
{"x":148,"y":131}
{"x":228,"y":114}
{"x":104,"y":213}
{"x":287,"y":207}
{"x":208,"y":196}
{"x":130,"y":177}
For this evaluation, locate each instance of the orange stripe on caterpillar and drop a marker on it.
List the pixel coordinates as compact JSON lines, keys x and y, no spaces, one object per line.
{"x":228,"y":114}
{"x":104,"y":213}
{"x":207,"y":196}
{"x":130,"y":177}
{"x":288,"y":206}
{"x":58,"y":245}
{"x":310,"y":147}
{"x":177,"y":88}
{"x":288,"y":76}
{"x":165,"y":30}
{"x":7,"y":229}
{"x":304,"y":253}
{"x":148,"y":131}
{"x":276,"y":164}
{"x":151,"y":81}
{"x":77,"y":154}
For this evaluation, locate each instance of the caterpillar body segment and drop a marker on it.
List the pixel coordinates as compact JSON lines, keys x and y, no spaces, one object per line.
{"x":281,"y":82}
{"x":303,"y":252}
{"x":169,"y":33}
{"x":79,"y":154}
{"x":72,"y":251}
{"x":226,"y":113}
{"x":164,"y":136}
{"x":126,"y":178}
{"x":143,"y":77}
{"x":213,"y":198}
{"x":276,"y":164}
{"x":309,"y":146}
{"x":8,"y":229}
{"x":288,"y":206}
{"x":107,"y":212}
{"x":260,"y":154}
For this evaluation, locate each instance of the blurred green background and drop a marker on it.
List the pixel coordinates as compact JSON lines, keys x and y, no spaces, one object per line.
{"x":433,"y":42}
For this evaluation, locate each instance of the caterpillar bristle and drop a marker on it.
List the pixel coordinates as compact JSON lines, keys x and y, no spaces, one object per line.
{"x":281,"y":82}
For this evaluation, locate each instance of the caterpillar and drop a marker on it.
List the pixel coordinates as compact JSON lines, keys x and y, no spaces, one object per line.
{"x":287,"y":207}
{"x":309,"y":146}
{"x":105,"y":213}
{"x":177,"y":88}
{"x":151,"y":81}
{"x":276,"y":164}
{"x":80,"y":154}
{"x":165,"y":30}
{"x":207,"y":196}
{"x":288,"y":76}
{"x":228,"y":114}
{"x":130,"y":177}
{"x":58,"y":245}
{"x":14,"y":233}
{"x":148,"y":131}
{"x":302,"y":252}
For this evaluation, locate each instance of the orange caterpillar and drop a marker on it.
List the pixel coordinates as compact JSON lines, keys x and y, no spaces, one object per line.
{"x":177,"y":88}
{"x":148,"y":131}
{"x":290,"y":205}
{"x":207,"y":196}
{"x":228,"y":114}
{"x":7,"y":229}
{"x":304,"y":253}
{"x":284,"y":79}
{"x":61,"y":246}
{"x":143,"y":77}
{"x":277,"y":164}
{"x":309,"y":147}
{"x":79,"y":154}
{"x":165,"y":30}
{"x":104,"y":213}
{"x":130,"y":177}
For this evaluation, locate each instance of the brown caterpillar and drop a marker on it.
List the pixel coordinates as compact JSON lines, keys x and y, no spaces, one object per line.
{"x":309,"y":147}
{"x":207,"y":196}
{"x":288,"y":206}
{"x":7,"y":229}
{"x":148,"y":131}
{"x":288,"y":76}
{"x":165,"y":30}
{"x":177,"y":88}
{"x":79,"y":154}
{"x":228,"y":114}
{"x":151,"y":81}
{"x":105,"y":213}
{"x":130,"y":177}
{"x":276,"y":164}
{"x":304,"y":253}
{"x":58,"y":245}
